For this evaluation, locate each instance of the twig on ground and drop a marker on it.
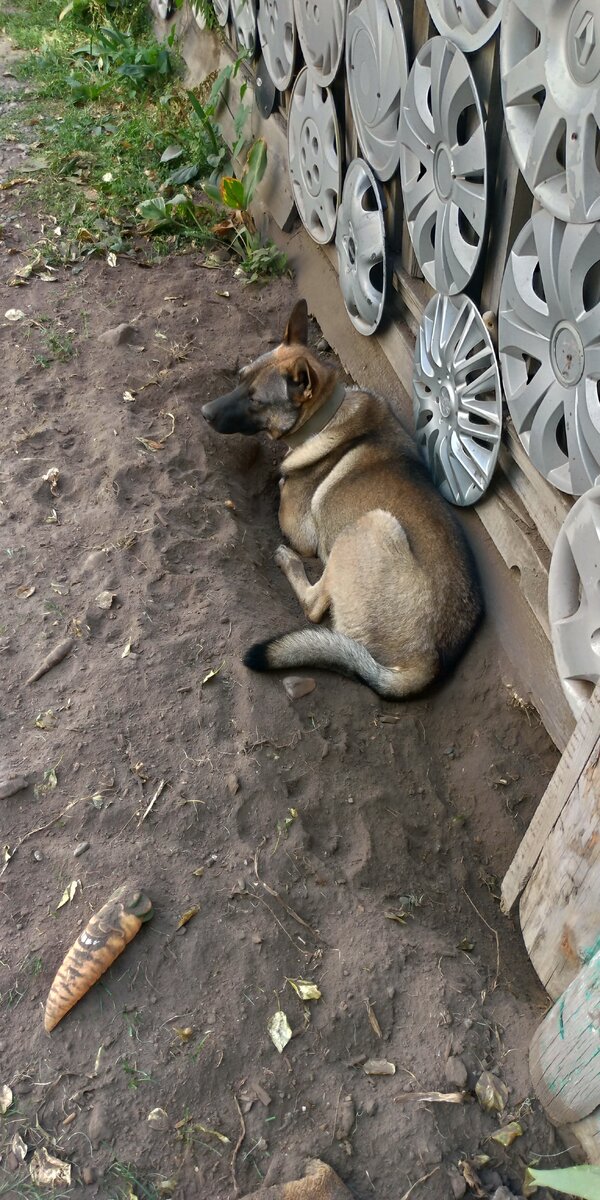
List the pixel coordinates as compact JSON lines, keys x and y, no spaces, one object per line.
{"x":434,"y":1097}
{"x":495,"y":933}
{"x":290,"y":911}
{"x":41,"y":829}
{"x":423,"y":1178}
{"x":150,"y":806}
{"x":238,"y":1146}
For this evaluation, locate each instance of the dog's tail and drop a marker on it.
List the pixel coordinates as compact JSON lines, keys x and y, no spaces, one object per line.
{"x":335,"y":652}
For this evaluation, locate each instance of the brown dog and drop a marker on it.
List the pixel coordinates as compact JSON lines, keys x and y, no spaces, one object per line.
{"x":398,"y":575}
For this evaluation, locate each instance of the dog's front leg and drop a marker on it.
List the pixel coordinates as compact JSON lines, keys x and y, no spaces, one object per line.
{"x":314,"y":598}
{"x":296,"y":520}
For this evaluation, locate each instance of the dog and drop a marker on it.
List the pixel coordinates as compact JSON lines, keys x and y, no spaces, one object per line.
{"x":398,"y":575}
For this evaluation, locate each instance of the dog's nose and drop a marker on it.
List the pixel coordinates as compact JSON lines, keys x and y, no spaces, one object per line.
{"x":207,"y":411}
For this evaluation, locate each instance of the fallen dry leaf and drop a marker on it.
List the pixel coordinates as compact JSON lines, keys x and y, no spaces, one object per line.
{"x":305,"y":989}
{"x":491,"y":1092}
{"x":24,"y":592}
{"x":373,"y":1022}
{"x":69,"y":893}
{"x":184,"y":1033}
{"x":47,"y":1171}
{"x":212,"y":674}
{"x":52,"y":476}
{"x":6,"y":1099}
{"x":127,"y":650}
{"x":187,"y":916}
{"x":279,"y":1030}
{"x":46,"y":720}
{"x":507,"y":1134}
{"x":19,"y":1147}
{"x":14,"y":314}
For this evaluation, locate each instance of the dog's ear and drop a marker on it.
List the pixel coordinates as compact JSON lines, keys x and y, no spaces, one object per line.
{"x":303,"y":379}
{"x":296,"y":330}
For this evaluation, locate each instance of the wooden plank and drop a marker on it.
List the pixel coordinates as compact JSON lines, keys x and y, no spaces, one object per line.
{"x":516,"y":545}
{"x":547,"y":507}
{"x":560,"y":907}
{"x":577,"y":754}
{"x":563,"y":1057}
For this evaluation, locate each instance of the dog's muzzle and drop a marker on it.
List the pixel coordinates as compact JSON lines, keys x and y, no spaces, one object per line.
{"x":232,"y":413}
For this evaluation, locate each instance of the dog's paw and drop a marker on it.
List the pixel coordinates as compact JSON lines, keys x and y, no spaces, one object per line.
{"x":284,"y":557}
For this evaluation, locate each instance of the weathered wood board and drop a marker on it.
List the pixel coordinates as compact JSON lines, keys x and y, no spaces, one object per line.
{"x":582,"y":750}
{"x":560,"y":907}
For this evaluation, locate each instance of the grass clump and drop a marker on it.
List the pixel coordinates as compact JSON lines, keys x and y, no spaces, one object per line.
{"x":119,"y":140}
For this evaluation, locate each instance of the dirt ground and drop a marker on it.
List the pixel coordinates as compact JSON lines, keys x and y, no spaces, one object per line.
{"x":332,"y":838}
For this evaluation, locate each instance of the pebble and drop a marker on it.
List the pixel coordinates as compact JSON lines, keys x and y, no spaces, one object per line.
{"x":297,"y":686}
{"x":99,"y":1128}
{"x":81,"y":849}
{"x":456,"y":1073}
{"x":9,"y":787}
{"x":38,"y":857}
{"x":89,"y":1176}
{"x":119,"y":335}
{"x":504,"y":1193}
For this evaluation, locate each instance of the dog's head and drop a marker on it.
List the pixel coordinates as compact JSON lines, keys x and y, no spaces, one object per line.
{"x":278,"y":391}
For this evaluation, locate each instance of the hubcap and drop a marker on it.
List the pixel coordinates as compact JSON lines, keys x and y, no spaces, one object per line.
{"x":583,"y":43}
{"x":567,"y":354}
{"x":442,"y":173}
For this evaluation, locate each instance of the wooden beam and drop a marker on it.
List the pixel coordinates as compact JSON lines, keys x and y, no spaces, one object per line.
{"x":581,"y":746}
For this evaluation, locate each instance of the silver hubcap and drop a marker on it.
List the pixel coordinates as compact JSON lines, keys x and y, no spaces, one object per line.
{"x":549,"y":341}
{"x":550,"y":68}
{"x":376,"y":70}
{"x":468,"y":23}
{"x":314,"y":156}
{"x":443,"y":166}
{"x":574,"y":600}
{"x":244,"y":20}
{"x":457,"y":398}
{"x":221,"y":8}
{"x":277,"y":33}
{"x":320,"y":25}
{"x":360,"y":243}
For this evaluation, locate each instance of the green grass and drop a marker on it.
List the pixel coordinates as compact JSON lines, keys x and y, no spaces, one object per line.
{"x":100,"y":121}
{"x":129,"y":1182}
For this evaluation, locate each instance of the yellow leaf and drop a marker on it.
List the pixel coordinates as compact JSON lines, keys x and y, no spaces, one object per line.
{"x":69,"y":893}
{"x":279,"y":1030}
{"x":211,"y":674}
{"x":304,"y":989}
{"x":508,"y":1134}
{"x":183,"y":1033}
{"x":212,"y":1133}
{"x":187,"y":916}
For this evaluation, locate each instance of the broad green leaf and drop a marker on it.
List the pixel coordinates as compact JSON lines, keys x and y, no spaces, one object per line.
{"x":184,"y":175}
{"x":256,"y":165}
{"x":171,"y":153}
{"x":233,"y":193}
{"x":571,"y":1181}
{"x":153,"y":210}
{"x":212,"y":191}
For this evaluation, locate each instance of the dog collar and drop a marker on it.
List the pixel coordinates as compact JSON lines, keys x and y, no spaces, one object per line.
{"x":319,"y":420}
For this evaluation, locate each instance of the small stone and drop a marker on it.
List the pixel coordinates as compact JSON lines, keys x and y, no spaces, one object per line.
{"x":38,"y":856}
{"x":99,"y":1129}
{"x":456,"y":1073}
{"x":457,"y":1183}
{"x":81,"y":849}
{"x":119,"y":335}
{"x":89,"y":1176}
{"x":504,"y":1193}
{"x":297,"y":686}
{"x":233,"y":784}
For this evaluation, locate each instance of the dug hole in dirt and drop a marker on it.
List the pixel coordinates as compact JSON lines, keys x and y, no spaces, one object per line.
{"x":332,"y":838}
